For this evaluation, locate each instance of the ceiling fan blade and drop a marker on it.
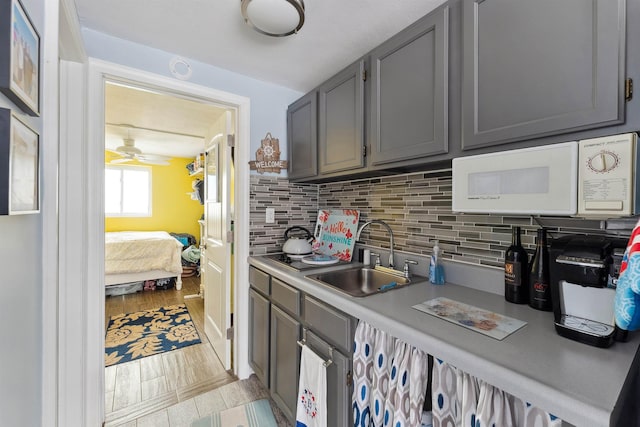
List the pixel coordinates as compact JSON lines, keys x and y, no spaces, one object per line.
{"x":130,"y":126}
{"x":150,"y":156}
{"x":124,"y":160}
{"x":154,"y":162}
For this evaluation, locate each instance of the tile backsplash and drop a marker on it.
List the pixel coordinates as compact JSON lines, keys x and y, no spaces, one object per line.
{"x":417,"y":206}
{"x":294,"y":204}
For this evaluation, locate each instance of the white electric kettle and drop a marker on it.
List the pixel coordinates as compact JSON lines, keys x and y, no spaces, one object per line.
{"x":297,"y":245}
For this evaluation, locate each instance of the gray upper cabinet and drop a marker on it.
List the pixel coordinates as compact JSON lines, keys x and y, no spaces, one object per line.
{"x":544,"y":67}
{"x":341,"y":121}
{"x":409,"y":92}
{"x":302,"y":137}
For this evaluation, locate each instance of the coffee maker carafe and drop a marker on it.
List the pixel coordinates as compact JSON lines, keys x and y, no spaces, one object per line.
{"x":584,"y":272}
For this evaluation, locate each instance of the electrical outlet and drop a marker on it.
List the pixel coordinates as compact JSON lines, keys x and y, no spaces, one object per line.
{"x":270,"y":216}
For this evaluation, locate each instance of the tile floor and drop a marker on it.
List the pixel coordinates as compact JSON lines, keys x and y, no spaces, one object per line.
{"x":228,"y":396}
{"x":175,"y":388}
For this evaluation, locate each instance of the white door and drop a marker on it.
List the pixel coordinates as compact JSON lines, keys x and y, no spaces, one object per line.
{"x":218,"y":239}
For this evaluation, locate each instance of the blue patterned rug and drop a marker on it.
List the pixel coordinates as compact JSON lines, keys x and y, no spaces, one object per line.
{"x":145,"y":333}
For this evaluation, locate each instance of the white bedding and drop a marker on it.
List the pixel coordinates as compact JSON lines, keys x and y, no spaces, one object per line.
{"x":141,"y":251}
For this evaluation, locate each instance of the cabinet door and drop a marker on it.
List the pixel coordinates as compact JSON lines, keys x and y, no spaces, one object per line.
{"x":302,"y":137}
{"x":259,"y":318}
{"x":332,"y":325}
{"x":409,"y":92}
{"x":285,"y":361}
{"x":543,"y":67}
{"x":341,"y":121}
{"x":339,"y":384}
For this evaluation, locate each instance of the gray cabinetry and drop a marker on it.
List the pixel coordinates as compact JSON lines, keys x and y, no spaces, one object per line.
{"x":341,"y":121}
{"x":545,"y":67}
{"x":302,"y":137}
{"x":259,"y":317}
{"x":409,"y":92}
{"x":332,"y":325}
{"x":277,"y":312}
{"x":285,"y":361}
{"x":330,"y":333}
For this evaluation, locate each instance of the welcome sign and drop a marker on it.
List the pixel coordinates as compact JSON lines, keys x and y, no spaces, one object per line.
{"x":268,"y":156}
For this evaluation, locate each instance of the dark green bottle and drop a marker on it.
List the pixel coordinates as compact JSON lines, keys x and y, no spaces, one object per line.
{"x":516,"y":271}
{"x":539,"y":289}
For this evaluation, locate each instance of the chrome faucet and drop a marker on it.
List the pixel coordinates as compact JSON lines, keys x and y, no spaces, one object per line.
{"x":384,"y":224}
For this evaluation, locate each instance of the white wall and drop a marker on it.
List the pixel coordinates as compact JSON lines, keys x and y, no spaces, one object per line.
{"x":268,"y":101}
{"x":21,"y":254}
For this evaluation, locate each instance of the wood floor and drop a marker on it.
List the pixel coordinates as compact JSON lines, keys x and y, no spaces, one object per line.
{"x":175,"y":386}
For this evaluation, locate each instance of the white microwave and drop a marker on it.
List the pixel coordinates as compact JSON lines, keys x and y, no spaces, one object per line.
{"x":539,"y":180}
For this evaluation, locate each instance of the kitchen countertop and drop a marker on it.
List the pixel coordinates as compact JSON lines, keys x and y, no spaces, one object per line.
{"x":581,"y":384}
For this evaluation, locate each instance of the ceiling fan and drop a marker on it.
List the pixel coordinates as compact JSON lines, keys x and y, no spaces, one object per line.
{"x":129,"y":152}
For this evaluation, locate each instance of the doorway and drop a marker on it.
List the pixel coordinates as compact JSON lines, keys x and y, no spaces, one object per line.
{"x":159,"y":182}
{"x":82,"y":210}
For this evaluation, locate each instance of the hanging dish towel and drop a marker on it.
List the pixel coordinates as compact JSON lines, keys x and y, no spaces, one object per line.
{"x":627,"y":301}
{"x":311,"y":410}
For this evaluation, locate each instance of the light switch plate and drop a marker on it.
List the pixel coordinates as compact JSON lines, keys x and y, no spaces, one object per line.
{"x":270,"y":215}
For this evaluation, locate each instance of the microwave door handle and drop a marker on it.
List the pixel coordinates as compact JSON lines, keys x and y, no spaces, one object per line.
{"x":580,"y":262}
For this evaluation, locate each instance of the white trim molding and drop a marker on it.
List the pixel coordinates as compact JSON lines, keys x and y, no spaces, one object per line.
{"x":87,"y":391}
{"x":71,"y":44}
{"x":72,"y":279}
{"x":49,"y":215}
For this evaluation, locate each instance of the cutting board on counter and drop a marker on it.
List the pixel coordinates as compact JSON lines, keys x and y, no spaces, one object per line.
{"x":335,"y":232}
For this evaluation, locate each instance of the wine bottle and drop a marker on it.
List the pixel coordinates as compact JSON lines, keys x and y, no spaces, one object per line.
{"x":516,"y":272}
{"x":539,"y":289}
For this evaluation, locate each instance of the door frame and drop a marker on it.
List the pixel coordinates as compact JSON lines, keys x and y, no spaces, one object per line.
{"x":88,"y":390}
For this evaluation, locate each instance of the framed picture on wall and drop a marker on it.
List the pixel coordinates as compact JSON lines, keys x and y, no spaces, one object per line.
{"x":19,"y":57}
{"x":19,"y":166}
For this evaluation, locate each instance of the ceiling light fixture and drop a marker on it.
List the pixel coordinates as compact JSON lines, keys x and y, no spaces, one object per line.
{"x":276,"y":18}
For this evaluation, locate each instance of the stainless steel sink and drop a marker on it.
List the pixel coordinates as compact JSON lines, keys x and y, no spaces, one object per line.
{"x":363,"y":281}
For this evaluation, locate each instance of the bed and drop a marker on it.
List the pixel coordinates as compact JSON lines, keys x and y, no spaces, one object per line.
{"x":135,"y":256}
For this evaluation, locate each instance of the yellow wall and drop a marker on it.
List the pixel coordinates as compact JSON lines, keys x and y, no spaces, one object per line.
{"x":173,"y":210}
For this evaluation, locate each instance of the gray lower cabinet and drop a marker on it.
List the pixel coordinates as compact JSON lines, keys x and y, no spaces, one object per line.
{"x":302,"y":137}
{"x":341,"y":121}
{"x":409,"y":92}
{"x":259,"y":319}
{"x":284,"y":361}
{"x":544,"y":67}
{"x":330,"y":333}
{"x":277,"y":314}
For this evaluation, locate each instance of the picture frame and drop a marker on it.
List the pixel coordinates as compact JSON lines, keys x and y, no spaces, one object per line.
{"x":19,"y":57}
{"x":19,"y":166}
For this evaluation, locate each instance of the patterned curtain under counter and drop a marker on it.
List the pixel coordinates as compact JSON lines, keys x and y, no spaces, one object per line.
{"x":390,"y":378}
{"x":459,"y":399}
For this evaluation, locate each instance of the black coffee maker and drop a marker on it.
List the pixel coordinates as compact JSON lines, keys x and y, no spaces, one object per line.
{"x":584,"y":273}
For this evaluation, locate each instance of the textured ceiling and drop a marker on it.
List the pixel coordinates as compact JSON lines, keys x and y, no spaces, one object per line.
{"x":158,"y":123}
{"x":335,"y":33}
